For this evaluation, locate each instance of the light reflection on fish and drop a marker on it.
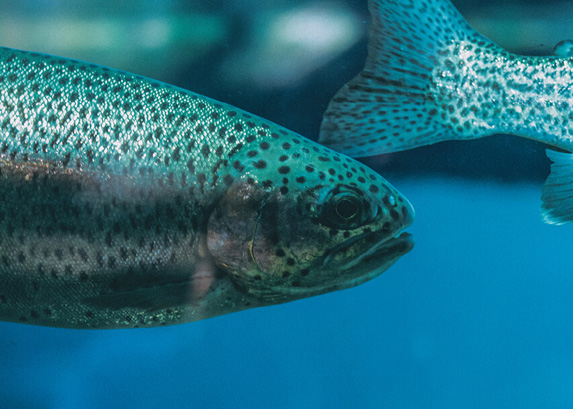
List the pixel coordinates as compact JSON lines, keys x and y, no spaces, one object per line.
{"x":126,"y":202}
{"x":430,"y":77}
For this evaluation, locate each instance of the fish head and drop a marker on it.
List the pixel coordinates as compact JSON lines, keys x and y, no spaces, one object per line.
{"x":317,"y":235}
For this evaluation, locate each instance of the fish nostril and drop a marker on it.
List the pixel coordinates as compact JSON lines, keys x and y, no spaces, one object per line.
{"x":407,"y":211}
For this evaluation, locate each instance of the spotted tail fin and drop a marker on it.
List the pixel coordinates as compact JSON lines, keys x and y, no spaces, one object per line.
{"x":388,"y":106}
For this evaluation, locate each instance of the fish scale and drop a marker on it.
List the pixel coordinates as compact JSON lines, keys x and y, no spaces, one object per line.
{"x":131,"y":203}
{"x":131,"y":125}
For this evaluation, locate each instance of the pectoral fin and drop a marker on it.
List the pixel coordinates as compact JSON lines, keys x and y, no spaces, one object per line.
{"x":158,"y":289}
{"x":557,"y":195}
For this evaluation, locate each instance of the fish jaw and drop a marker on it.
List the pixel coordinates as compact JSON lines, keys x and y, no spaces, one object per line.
{"x":375,"y":261}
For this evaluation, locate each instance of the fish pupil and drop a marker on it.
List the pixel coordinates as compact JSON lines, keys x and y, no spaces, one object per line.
{"x":347,"y":208}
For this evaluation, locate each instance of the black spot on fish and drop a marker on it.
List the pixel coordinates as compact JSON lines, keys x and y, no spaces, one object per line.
{"x":228,"y":180}
{"x":261,"y":164}
{"x":206,"y":150}
{"x":237,"y":165}
{"x":201,"y":179}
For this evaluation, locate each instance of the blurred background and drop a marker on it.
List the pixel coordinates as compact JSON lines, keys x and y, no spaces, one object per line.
{"x":478,"y":315}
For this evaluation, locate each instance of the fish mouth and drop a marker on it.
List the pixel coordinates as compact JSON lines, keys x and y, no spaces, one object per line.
{"x":367,"y":259}
{"x":400,"y":244}
{"x":379,"y":258}
{"x":356,"y":261}
{"x":351,"y":263}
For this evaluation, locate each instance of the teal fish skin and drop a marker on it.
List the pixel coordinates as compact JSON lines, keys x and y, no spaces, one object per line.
{"x":430,"y":77}
{"x":131,"y":203}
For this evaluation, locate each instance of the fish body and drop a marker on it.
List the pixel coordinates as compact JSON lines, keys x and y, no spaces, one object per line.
{"x":126,"y":202}
{"x":430,"y":77}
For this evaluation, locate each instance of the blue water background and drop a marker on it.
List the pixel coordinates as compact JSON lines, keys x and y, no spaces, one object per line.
{"x":478,"y":315}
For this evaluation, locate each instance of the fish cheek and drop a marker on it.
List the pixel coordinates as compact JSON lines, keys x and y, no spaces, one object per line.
{"x":231,"y":227}
{"x":286,"y":242}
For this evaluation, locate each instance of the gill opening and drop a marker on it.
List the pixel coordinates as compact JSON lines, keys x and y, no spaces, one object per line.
{"x":254,"y":233}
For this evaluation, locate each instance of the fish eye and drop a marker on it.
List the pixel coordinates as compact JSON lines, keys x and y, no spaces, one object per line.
{"x":345,"y":208}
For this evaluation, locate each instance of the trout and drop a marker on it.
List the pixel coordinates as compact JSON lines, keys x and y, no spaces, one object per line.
{"x":126,"y":202}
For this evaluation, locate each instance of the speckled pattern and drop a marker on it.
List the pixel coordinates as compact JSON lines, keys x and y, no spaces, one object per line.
{"x":127,"y":202}
{"x":430,"y":77}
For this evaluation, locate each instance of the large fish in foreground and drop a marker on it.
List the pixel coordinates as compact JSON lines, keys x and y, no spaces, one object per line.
{"x":126,"y":202}
{"x":430,"y":77}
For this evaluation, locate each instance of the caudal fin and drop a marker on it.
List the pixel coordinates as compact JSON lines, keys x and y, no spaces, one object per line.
{"x":391,"y":104}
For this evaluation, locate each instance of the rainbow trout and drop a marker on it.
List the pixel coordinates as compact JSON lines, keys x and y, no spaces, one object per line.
{"x":430,"y":77}
{"x":126,"y":202}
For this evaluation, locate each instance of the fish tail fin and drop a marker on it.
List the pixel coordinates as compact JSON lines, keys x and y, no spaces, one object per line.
{"x":395,"y":103}
{"x":557,"y":194}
